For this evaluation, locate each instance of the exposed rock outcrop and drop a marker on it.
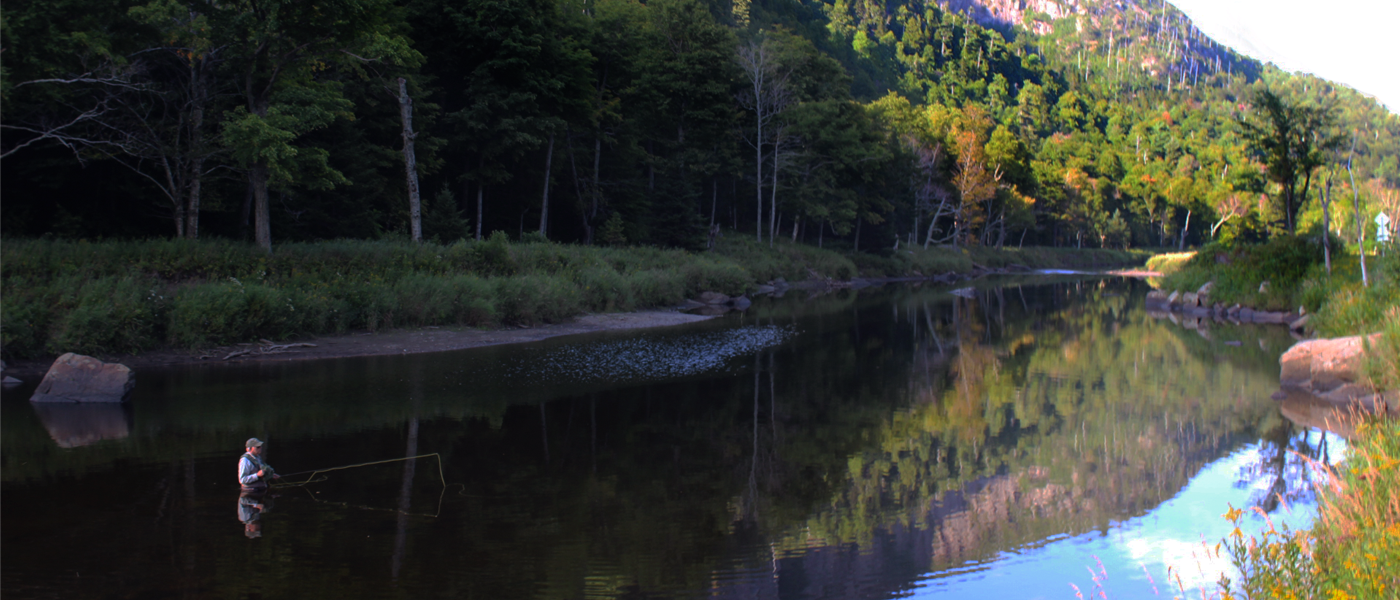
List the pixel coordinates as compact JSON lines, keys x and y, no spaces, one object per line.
{"x":78,"y":378}
{"x":1331,"y":370}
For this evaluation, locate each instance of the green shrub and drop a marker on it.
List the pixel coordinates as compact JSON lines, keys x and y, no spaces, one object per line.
{"x":656,"y":287}
{"x":427,"y":300}
{"x":227,"y":312}
{"x":602,"y":289}
{"x":535,"y":298}
{"x":27,"y":312}
{"x":108,"y":315}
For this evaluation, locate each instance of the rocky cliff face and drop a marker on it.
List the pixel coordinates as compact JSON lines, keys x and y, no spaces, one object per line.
{"x":1009,"y":13}
{"x":1149,"y":34}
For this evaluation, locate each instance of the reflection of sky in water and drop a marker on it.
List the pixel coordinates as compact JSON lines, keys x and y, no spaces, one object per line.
{"x":1171,"y":535}
{"x":644,"y":359}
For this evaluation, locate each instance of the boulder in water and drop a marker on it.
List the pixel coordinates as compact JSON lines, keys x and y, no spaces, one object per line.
{"x":78,"y":378}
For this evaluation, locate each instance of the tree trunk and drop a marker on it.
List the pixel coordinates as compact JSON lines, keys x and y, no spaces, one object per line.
{"x":480,"y":193}
{"x":1001,"y":238}
{"x":1356,"y":208}
{"x":262,"y":228}
{"x":195,"y":175}
{"x":1181,"y":241}
{"x":773,"y":200}
{"x":192,"y":212}
{"x":544,"y":204}
{"x":578,"y":192}
{"x":179,"y":214}
{"x":857,"y":242}
{"x":758,"y":180}
{"x":247,"y":209}
{"x":714,"y":200}
{"x":410,"y":163}
{"x":597,"y":156}
{"x":1327,"y":225}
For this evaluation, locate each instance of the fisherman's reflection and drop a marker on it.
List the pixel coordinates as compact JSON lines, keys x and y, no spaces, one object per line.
{"x":251,"y":506}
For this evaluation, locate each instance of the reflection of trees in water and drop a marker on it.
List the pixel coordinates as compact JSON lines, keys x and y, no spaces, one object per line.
{"x":1279,"y":471}
{"x":1052,"y":416}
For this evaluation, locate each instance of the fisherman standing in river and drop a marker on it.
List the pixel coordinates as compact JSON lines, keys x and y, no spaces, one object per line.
{"x":253,"y":473}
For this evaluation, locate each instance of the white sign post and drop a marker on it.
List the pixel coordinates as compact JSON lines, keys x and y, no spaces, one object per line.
{"x":1382,"y":228}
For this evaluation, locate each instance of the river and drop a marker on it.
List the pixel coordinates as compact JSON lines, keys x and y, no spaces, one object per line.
{"x":1027,"y":438}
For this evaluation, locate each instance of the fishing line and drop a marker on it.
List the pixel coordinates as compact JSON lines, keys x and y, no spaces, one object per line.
{"x":313,"y":479}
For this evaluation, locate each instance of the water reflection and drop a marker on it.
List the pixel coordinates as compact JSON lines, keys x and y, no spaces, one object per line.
{"x":72,"y":425}
{"x":251,"y":507}
{"x":886,"y":442}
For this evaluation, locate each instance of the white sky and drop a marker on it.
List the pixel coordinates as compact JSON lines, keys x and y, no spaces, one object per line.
{"x":1354,"y":42}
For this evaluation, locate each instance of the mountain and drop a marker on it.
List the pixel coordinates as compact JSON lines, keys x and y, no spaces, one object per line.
{"x":1154,"y":36}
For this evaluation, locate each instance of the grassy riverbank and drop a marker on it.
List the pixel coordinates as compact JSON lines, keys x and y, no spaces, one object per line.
{"x":123,"y":297}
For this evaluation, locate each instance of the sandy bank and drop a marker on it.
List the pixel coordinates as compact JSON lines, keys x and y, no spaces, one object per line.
{"x":399,"y":341}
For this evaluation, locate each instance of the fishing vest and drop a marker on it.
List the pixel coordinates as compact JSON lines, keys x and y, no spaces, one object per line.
{"x":257,"y":462}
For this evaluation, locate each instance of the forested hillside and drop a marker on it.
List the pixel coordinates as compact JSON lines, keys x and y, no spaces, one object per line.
{"x":850,"y":123}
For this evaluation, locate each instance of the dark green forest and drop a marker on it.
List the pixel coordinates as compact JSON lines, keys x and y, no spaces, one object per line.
{"x":855,"y":125}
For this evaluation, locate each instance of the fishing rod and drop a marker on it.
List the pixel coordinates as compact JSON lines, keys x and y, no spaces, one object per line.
{"x":316,"y":472}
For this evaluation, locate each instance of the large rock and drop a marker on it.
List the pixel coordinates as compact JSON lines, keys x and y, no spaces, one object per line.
{"x":78,"y":378}
{"x":1323,"y":365}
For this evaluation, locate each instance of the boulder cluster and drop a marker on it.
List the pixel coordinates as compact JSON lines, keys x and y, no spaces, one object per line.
{"x":1198,"y":305}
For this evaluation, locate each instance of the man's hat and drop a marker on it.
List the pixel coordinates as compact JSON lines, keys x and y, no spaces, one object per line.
{"x":253,"y":443}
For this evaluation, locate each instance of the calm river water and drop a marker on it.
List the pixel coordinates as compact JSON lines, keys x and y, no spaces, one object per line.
{"x":892,"y":442}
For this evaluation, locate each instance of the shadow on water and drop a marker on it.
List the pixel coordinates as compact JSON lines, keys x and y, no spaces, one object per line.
{"x":842,"y":444}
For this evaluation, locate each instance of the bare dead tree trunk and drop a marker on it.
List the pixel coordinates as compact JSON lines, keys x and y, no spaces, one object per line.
{"x":1356,"y":207}
{"x":410,"y":163}
{"x":544,"y":204}
{"x":767,"y":95}
{"x":1181,"y":241}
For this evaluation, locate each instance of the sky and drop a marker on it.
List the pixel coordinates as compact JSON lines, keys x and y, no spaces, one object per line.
{"x":1354,"y":42}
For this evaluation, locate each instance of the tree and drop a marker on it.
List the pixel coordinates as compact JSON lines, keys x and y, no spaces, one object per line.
{"x":976,"y":183}
{"x":280,"y":50}
{"x":1291,"y":139}
{"x":766,"y":94}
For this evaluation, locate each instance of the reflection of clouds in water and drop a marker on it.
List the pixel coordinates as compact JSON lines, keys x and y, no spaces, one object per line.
{"x":645,"y":359}
{"x":1196,"y":563}
{"x":1182,"y":532}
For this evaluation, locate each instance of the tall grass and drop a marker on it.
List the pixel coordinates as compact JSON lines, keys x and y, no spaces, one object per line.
{"x":118,"y":297}
{"x":1168,"y":264}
